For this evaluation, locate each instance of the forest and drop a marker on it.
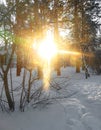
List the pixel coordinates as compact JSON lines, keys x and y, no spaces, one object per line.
{"x":29,"y":27}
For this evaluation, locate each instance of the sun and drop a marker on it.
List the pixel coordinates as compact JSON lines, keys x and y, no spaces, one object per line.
{"x":47,"y":51}
{"x":47,"y":48}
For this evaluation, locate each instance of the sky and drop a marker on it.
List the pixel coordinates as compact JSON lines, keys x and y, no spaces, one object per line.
{"x":3,"y":1}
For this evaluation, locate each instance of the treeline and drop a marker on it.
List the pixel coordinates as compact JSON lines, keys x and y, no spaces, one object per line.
{"x":25,"y":21}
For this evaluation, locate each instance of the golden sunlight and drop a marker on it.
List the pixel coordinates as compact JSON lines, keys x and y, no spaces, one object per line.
{"x":46,"y":51}
{"x":46,"y":75}
{"x":69,"y":52}
{"x":47,"y":48}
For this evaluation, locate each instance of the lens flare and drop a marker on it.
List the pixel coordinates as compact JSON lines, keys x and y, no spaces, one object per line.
{"x":46,"y":75}
{"x":47,"y":49}
{"x":68,"y":52}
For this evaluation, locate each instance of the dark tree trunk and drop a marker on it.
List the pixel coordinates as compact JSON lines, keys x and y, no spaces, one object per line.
{"x":76,"y":32}
{"x":7,"y":92}
{"x":22,"y":92}
{"x":29,"y":87}
{"x":77,"y":66}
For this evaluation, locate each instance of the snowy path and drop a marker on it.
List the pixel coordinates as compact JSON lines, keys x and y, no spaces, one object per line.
{"x":83,"y":109}
{"x":80,"y":111}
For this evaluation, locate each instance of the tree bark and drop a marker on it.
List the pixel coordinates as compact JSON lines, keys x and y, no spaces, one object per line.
{"x":76,"y":32}
{"x":7,"y":92}
{"x":29,"y":87}
{"x":77,"y":66}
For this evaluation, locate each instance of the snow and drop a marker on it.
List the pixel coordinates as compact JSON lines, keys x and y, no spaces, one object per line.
{"x":76,"y":106}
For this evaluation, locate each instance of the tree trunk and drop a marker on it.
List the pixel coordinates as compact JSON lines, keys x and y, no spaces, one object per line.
{"x":29,"y":87}
{"x":8,"y":96}
{"x":76,"y":33}
{"x":77,"y":66}
{"x":22,"y":92}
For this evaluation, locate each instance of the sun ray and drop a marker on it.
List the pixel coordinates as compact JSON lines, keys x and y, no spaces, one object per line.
{"x":47,"y":50}
{"x":69,"y":52}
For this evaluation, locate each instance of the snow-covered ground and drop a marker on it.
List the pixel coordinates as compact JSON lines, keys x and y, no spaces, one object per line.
{"x":77,"y":106}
